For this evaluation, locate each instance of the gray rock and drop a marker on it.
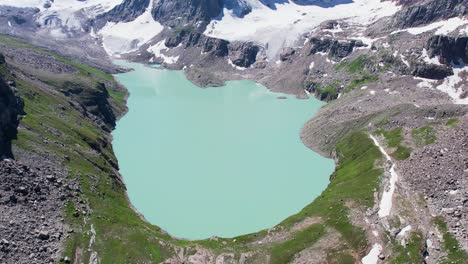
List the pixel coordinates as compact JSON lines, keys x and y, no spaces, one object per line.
{"x":43,"y":235}
{"x":449,"y":49}
{"x":243,"y":54}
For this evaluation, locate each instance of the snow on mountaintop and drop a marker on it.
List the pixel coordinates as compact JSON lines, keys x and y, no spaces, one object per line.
{"x":65,"y":10}
{"x":284,"y":24}
{"x":59,"y":5}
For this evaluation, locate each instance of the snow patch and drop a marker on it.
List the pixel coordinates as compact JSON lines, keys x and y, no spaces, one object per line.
{"x":425,"y":57}
{"x":403,"y":59}
{"x":311,"y":65}
{"x":157,"y":51}
{"x":443,"y":27}
{"x":404,"y":231}
{"x":235,"y":66}
{"x":387,"y":196}
{"x":373,"y":256}
{"x":452,"y":85}
{"x":93,"y":236}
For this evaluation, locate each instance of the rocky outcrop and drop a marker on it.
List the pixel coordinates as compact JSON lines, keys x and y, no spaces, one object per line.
{"x":189,"y":38}
{"x":448,"y":49}
{"x":127,"y":11}
{"x":243,"y":54}
{"x":431,"y":71}
{"x":428,"y":13}
{"x":287,"y":53}
{"x":93,"y":101}
{"x":176,"y":13}
{"x":10,"y":108}
{"x":336,"y":49}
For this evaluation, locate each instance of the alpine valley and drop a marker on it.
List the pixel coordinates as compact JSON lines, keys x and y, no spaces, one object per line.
{"x":392,"y":76}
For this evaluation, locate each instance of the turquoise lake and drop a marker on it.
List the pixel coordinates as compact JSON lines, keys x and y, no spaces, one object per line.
{"x":223,"y":161}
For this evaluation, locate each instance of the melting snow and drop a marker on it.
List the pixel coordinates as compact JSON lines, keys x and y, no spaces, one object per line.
{"x":311,"y":65}
{"x":425,"y":58}
{"x":403,"y":59}
{"x":124,"y":37}
{"x":404,"y":231}
{"x":235,"y":66}
{"x":443,"y":27}
{"x":452,"y":84}
{"x":284,"y":25}
{"x":387,"y":195}
{"x":156,"y":50}
{"x":373,"y":255}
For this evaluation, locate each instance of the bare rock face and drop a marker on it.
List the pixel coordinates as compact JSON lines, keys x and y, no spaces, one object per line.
{"x":243,"y":54}
{"x":449,"y":49}
{"x":336,"y":49}
{"x":10,"y":108}
{"x":127,"y":11}
{"x":287,"y":53}
{"x":431,"y":71}
{"x":432,"y":11}
{"x":176,"y":13}
{"x":94,"y":101}
{"x":189,"y":38}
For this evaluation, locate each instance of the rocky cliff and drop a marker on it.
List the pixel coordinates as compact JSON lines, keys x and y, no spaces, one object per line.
{"x":448,"y":49}
{"x":429,"y":12}
{"x":176,"y":13}
{"x":10,"y":109}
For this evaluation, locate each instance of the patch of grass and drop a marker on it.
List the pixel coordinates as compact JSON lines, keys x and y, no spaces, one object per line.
{"x":424,"y":135}
{"x":412,"y":252}
{"x":328,"y":92}
{"x":118,"y":96}
{"x":383,"y":122}
{"x":355,"y":66}
{"x":455,"y":254}
{"x":284,"y":252}
{"x":394,"y":139}
{"x":360,"y":81}
{"x":453,"y":122}
{"x":341,"y":258}
{"x":354,"y":180}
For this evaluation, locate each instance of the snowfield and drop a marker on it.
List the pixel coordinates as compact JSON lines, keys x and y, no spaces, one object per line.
{"x":124,"y":37}
{"x":65,"y":12}
{"x":282,"y":27}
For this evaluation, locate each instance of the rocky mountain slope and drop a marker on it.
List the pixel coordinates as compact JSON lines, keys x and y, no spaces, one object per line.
{"x":393,"y":73}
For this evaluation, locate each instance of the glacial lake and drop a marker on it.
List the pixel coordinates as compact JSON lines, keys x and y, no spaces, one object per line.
{"x":223,"y":161}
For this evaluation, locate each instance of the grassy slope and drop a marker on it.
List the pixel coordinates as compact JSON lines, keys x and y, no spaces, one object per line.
{"x":455,"y":254}
{"x":122,"y":237}
{"x":394,"y":140}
